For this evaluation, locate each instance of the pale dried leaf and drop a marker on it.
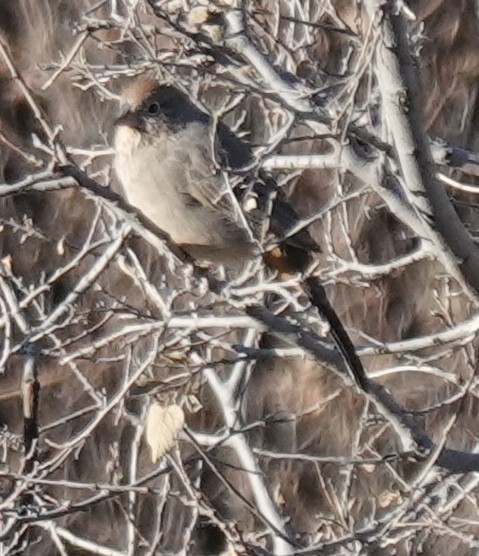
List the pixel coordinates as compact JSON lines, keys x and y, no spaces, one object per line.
{"x":193,"y":404}
{"x":198,"y":16}
{"x":177,"y":356}
{"x":7,"y":263}
{"x":61,"y":246}
{"x":388,"y":497}
{"x":250,"y":204}
{"x":369,"y":467}
{"x":162,"y":427}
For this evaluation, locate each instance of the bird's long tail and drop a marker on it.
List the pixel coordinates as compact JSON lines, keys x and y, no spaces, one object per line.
{"x":317,"y":296}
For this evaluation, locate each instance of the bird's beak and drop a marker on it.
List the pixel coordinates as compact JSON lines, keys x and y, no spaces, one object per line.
{"x":129,"y":119}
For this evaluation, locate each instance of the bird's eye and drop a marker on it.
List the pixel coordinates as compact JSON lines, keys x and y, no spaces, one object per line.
{"x":154,"y":109}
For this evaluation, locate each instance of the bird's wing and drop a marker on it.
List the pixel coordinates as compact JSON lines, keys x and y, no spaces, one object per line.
{"x":245,"y":199}
{"x":207,"y":185}
{"x":272,"y":205}
{"x":272,"y":216}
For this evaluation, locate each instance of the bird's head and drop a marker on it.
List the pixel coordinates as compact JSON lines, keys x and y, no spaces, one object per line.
{"x":152,"y":109}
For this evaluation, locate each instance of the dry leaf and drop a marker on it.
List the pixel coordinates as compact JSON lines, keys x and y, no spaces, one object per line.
{"x":369,"y":467}
{"x":61,"y":247}
{"x":250,"y":204}
{"x":197,"y":16}
{"x":193,"y":404}
{"x":176,"y":356}
{"x":388,"y":497}
{"x":7,"y":262}
{"x":162,"y":427}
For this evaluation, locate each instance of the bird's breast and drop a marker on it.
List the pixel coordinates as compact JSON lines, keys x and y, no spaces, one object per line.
{"x":156,"y":179}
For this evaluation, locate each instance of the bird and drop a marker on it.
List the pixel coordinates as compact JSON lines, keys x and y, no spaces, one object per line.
{"x":171,"y":161}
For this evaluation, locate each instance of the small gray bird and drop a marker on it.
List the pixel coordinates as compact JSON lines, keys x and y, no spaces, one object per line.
{"x":170,"y":161}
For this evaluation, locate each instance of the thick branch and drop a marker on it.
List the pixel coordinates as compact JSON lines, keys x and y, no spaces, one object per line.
{"x":398,"y":84}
